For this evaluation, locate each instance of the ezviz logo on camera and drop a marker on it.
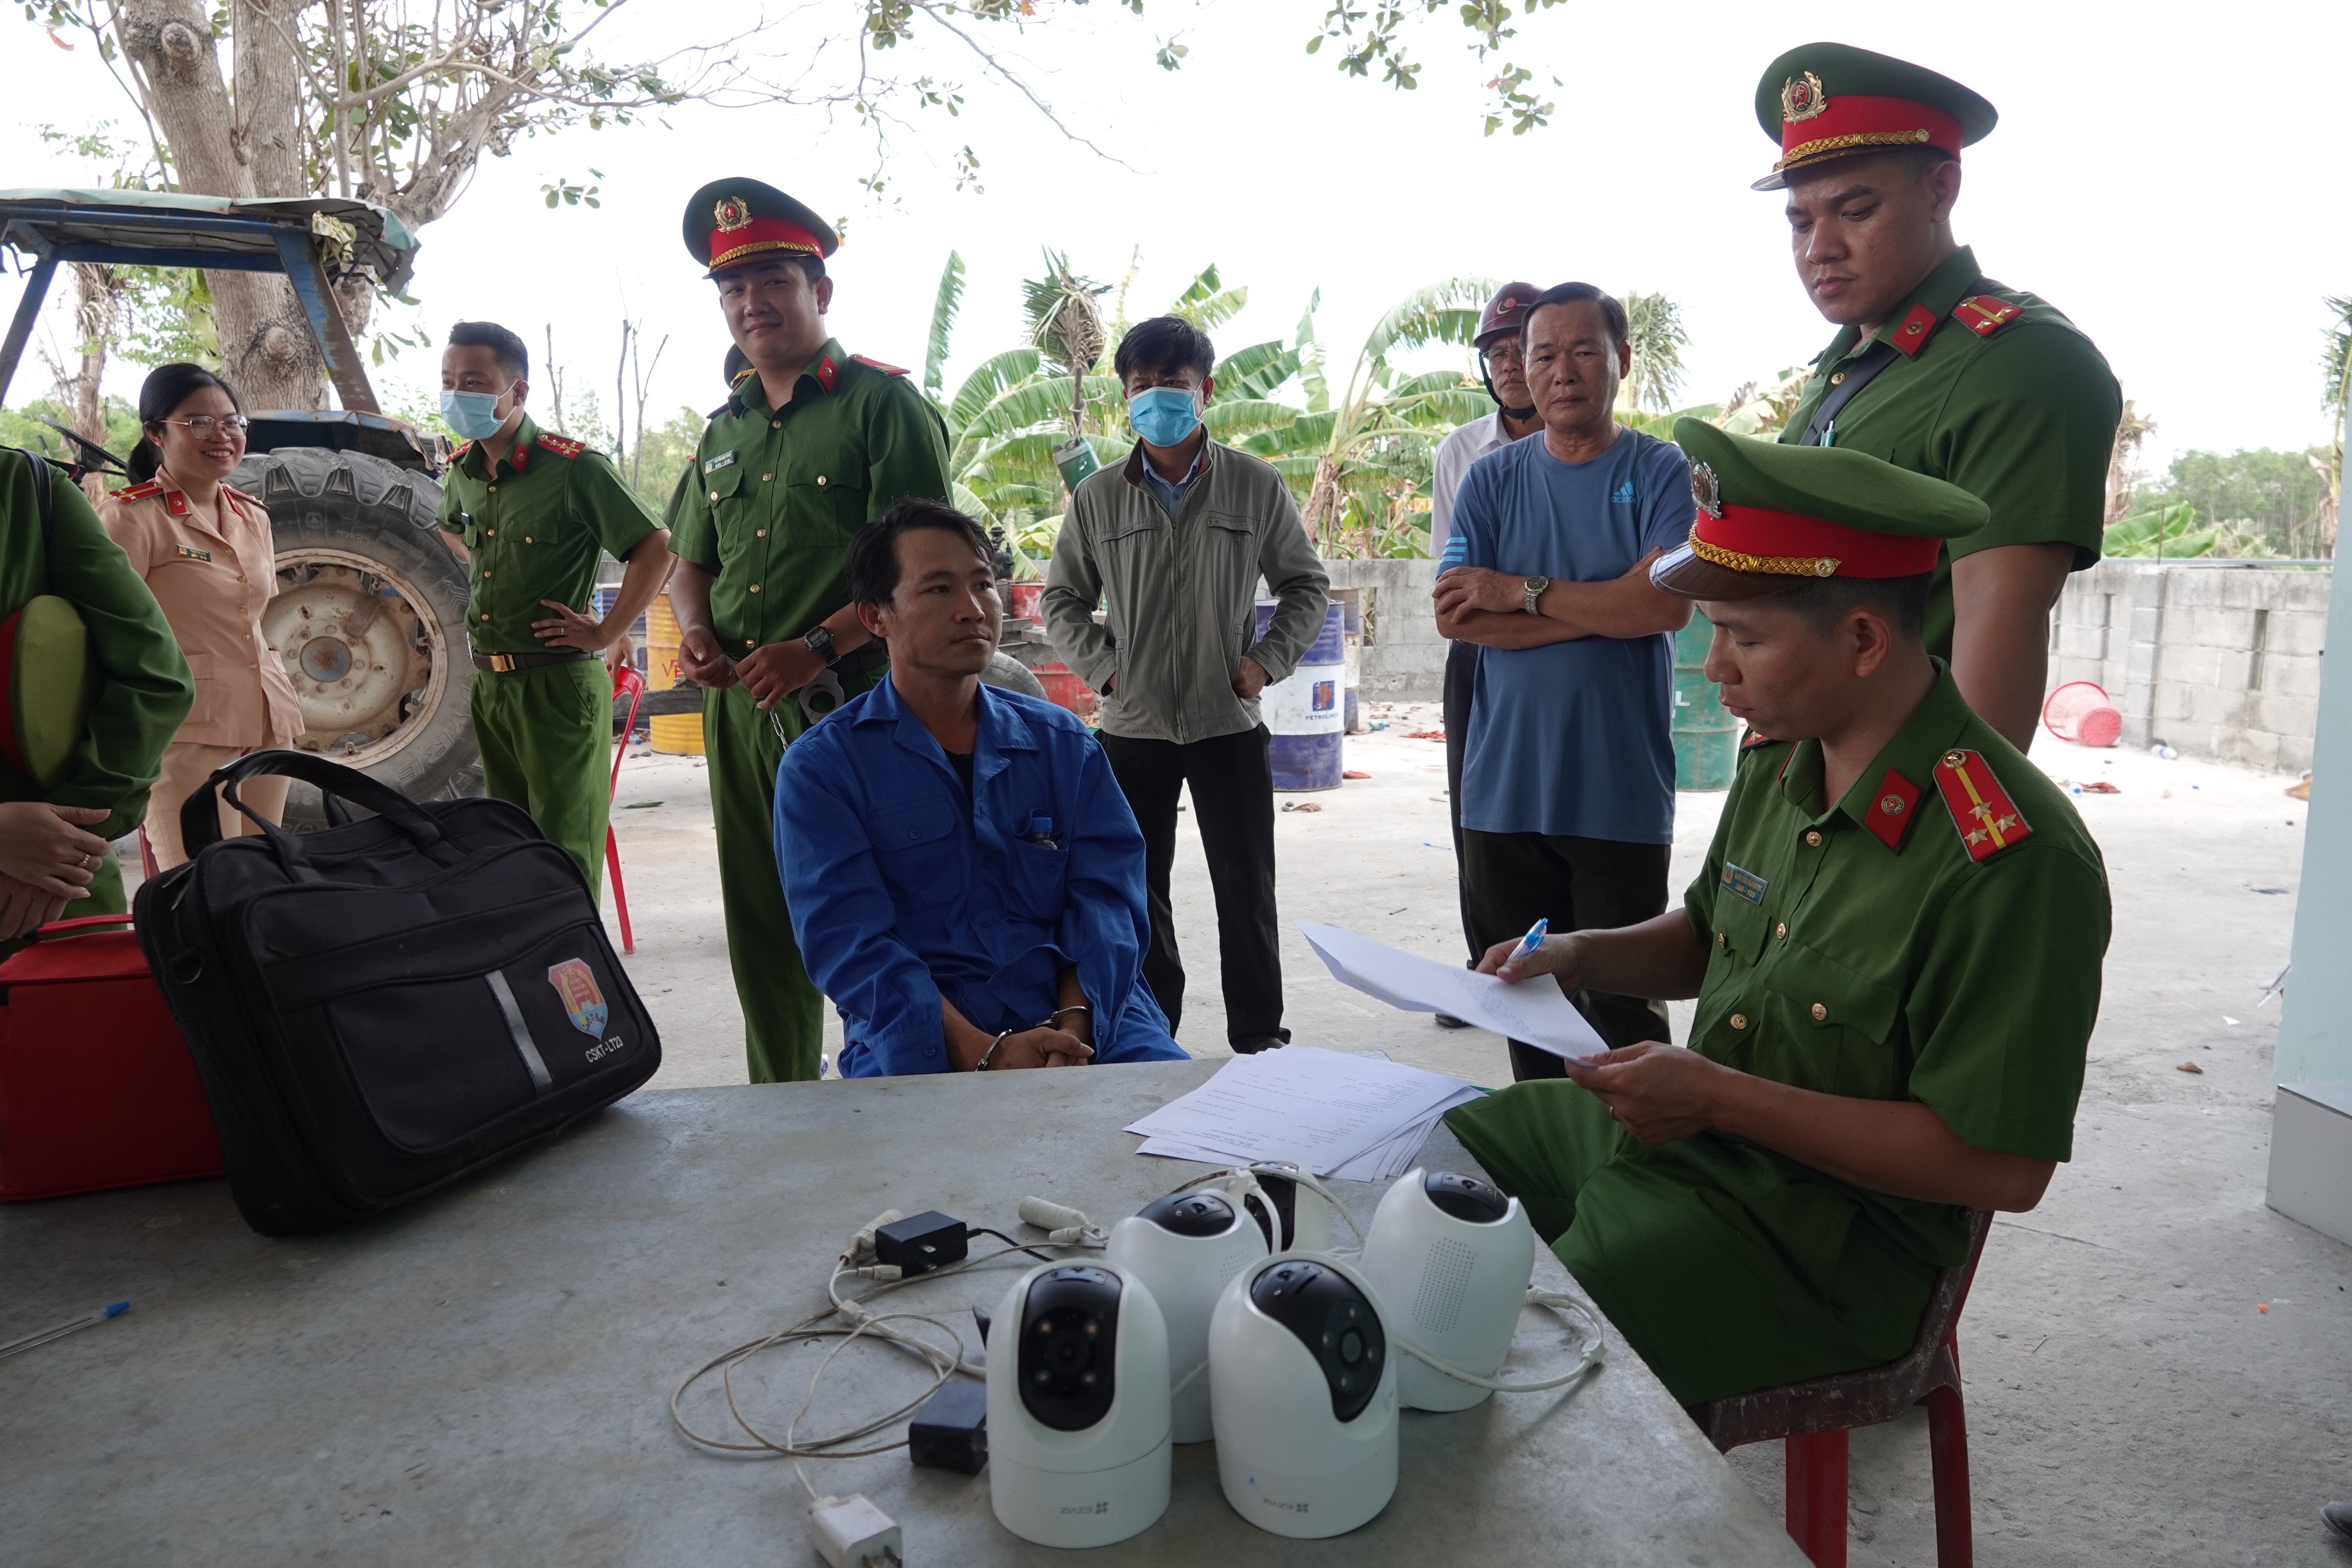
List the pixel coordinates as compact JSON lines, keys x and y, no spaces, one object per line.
{"x":1102,"y":1507}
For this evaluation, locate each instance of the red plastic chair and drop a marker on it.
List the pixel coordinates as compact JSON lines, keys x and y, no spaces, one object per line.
{"x":627,"y":680}
{"x":1815,"y":1417}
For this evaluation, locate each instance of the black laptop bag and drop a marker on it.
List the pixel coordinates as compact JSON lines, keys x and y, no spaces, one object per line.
{"x":389,"y":1003}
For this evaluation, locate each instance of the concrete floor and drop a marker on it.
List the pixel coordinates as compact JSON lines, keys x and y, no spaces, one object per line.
{"x":2158,"y":1367}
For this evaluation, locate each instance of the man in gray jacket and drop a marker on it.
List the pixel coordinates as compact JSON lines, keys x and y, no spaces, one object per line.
{"x":1172,"y":543}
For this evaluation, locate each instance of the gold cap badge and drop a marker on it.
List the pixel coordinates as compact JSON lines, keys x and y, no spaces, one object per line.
{"x":732,"y":213}
{"x":1802,"y":98}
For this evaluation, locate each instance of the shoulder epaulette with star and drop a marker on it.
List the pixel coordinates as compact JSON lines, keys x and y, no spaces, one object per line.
{"x":1985,"y":314}
{"x":872,"y":364}
{"x":562,"y":446}
{"x":1988,"y":820}
{"x":242,"y":495}
{"x":136,"y":492}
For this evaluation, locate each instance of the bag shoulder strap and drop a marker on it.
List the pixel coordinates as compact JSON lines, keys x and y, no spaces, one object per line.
{"x":1881,"y":354}
{"x":43,"y":498}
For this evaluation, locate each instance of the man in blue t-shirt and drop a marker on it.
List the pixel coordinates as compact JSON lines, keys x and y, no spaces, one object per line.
{"x":1567,"y":791}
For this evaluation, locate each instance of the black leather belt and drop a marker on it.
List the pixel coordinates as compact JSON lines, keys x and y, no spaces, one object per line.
{"x":508,"y":663}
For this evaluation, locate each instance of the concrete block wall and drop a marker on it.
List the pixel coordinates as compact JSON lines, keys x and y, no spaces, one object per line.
{"x":2219,"y":661}
{"x":1403,"y":656}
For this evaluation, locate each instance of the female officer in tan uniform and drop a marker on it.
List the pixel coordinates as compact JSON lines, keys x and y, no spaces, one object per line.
{"x":205,"y":551}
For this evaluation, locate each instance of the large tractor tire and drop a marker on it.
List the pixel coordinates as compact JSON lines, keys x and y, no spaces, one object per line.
{"x":369,"y":619}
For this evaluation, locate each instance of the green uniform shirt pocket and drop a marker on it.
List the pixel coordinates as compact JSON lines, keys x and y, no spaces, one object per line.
{"x":823,"y":506}
{"x":923,"y":868}
{"x":1831,"y":1025}
{"x":723,"y":486}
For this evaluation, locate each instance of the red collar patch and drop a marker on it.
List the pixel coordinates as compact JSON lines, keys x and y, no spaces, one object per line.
{"x":1910,"y":334}
{"x":827,"y":372}
{"x":1988,"y":820}
{"x":1890,"y":810}
{"x":175,"y":503}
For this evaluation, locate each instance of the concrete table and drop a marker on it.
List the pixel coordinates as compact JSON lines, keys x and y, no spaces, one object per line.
{"x":483,"y":1376}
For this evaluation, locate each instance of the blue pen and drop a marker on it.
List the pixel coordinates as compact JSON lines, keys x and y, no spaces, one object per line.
{"x":1534,"y":939}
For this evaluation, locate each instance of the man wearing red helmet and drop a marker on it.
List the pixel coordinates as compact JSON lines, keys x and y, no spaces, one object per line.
{"x":1502,"y":366}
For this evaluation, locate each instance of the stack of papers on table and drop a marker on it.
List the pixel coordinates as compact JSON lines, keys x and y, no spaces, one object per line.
{"x":1356,"y":1119}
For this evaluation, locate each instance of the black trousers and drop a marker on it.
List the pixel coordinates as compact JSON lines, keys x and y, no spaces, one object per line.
{"x":1232,"y":779}
{"x":1461,"y":688}
{"x":1579,"y":884}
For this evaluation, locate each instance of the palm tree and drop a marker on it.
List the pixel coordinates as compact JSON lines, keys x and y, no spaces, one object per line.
{"x":1654,"y":328}
{"x":1010,"y":413}
{"x":1065,"y":326}
{"x":1362,"y":456}
{"x":2337,"y":366}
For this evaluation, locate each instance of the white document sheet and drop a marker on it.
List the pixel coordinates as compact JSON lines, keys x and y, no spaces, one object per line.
{"x":1354,"y":1117}
{"x":1536,"y":1010}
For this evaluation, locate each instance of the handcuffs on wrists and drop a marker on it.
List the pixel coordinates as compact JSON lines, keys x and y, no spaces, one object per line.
{"x":990,"y":1054}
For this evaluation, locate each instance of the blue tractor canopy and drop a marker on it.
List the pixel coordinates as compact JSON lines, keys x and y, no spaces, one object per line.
{"x":311,"y":240}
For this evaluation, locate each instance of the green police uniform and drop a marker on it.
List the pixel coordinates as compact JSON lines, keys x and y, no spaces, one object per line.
{"x":142,"y":689}
{"x":535,"y":525}
{"x":1933,"y":935}
{"x":1968,"y":381}
{"x":778,"y":493}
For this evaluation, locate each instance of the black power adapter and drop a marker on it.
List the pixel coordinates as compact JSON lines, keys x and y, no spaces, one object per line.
{"x":922,"y":1242}
{"x":951,"y":1431}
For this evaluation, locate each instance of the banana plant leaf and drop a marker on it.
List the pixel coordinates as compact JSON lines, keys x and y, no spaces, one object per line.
{"x":1206,"y":303}
{"x":997,"y":374}
{"x":2169,"y":532}
{"x":1245,"y":416}
{"x":943,"y":320}
{"x":1253,"y":371}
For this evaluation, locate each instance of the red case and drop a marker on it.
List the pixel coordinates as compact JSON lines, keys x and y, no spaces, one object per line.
{"x":97,"y":1086}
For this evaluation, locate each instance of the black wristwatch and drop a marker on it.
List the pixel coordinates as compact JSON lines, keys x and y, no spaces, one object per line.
{"x":819,"y":642}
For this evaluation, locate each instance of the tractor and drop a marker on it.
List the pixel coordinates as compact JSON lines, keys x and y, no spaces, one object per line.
{"x":370,"y":610}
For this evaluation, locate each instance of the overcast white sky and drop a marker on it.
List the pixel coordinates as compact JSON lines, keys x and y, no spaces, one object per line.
{"x":2170,"y":175}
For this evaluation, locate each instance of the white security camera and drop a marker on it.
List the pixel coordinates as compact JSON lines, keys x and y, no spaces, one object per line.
{"x":1303,"y":1392}
{"x":1185,"y":1248}
{"x":1451,"y":1258}
{"x":1077,"y":1407}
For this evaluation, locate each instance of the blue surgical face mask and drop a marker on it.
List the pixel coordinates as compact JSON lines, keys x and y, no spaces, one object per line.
{"x":473,"y":414}
{"x":1162,"y":416}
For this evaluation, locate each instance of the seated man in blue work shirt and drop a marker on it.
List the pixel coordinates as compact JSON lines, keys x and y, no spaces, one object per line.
{"x":965,"y":877}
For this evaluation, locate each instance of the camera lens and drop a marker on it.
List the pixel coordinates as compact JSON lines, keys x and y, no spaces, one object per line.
{"x":1069,"y":1349}
{"x":1351,"y":1347}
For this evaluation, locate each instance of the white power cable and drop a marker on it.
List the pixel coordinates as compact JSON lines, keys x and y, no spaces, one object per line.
{"x":858,"y":1320}
{"x":1064,"y":1225}
{"x":1591,"y":1358}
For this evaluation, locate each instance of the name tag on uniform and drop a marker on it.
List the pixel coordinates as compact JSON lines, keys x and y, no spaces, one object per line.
{"x":724,"y":460}
{"x":189,"y":553}
{"x":1746,"y":884}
